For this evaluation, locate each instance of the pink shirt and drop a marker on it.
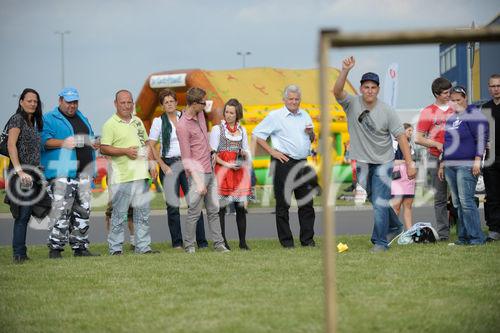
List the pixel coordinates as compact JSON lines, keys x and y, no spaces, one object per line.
{"x":193,"y":141}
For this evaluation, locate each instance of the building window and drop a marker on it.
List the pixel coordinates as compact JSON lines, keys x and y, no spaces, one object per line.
{"x":448,"y":59}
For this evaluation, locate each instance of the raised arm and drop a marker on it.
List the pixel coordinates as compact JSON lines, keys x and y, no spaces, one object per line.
{"x":338,"y":88}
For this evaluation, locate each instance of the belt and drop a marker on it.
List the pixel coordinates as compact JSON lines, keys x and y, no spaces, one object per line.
{"x":175,"y":158}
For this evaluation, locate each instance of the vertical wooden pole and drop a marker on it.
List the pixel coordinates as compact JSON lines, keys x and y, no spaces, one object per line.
{"x":328,"y":212}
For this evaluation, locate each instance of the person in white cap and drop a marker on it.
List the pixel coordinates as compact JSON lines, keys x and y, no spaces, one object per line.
{"x":68,"y":155}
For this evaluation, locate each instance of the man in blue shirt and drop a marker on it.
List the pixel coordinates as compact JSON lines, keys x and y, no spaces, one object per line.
{"x":68,"y":155}
{"x":291,"y":132}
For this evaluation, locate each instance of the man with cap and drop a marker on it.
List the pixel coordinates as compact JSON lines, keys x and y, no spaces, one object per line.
{"x":371,"y":123}
{"x":68,"y":155}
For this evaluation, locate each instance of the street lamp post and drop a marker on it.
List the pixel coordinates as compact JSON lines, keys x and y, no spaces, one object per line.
{"x":243,"y":55}
{"x":62,"y":33}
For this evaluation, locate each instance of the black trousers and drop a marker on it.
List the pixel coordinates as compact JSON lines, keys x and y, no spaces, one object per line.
{"x":291,"y":177}
{"x":491,"y":176}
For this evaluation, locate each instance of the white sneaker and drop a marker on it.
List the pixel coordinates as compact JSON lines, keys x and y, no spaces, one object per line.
{"x":190,"y":249}
{"x":222,"y":249}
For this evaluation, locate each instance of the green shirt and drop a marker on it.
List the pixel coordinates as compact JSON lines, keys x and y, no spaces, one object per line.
{"x":120,"y":134}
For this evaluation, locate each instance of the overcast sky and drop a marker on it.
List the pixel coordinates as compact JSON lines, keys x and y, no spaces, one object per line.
{"x":116,"y":44}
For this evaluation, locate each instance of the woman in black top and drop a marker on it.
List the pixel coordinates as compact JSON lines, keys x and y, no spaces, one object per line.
{"x":24,"y":129}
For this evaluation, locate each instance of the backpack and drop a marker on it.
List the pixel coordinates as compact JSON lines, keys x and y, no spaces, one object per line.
{"x":420,"y":232}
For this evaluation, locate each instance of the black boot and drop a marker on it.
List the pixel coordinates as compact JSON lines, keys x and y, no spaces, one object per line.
{"x":241,"y":222}
{"x":222,"y":217}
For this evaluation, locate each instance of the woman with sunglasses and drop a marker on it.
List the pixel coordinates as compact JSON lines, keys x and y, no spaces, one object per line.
{"x":466,"y":134}
{"x":229,"y":139}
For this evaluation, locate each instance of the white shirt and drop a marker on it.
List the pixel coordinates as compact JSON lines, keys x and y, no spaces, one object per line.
{"x":215,"y":137}
{"x":287,"y":132}
{"x":155,"y":135}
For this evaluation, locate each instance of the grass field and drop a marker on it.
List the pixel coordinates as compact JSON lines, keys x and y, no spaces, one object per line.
{"x":413,"y":288}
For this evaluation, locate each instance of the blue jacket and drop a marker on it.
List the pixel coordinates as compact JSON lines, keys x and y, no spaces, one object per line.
{"x":60,"y":162}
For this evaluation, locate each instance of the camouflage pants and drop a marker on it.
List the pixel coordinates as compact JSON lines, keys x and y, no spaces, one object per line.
{"x":70,"y":212}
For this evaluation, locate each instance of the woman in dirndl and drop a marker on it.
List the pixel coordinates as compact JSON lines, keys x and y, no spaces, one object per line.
{"x":229,"y":139}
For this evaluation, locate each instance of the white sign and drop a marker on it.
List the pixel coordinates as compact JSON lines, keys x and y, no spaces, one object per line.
{"x":391,"y":85}
{"x":208,"y":106}
{"x":168,"y":80}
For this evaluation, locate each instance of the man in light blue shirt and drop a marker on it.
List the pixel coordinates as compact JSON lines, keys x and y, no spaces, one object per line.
{"x":291,"y":132}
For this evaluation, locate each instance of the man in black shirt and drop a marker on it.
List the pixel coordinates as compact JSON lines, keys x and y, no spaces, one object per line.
{"x":68,"y":153}
{"x":491,"y":173}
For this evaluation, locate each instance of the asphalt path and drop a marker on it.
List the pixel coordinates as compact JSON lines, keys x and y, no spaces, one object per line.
{"x":260,"y":224}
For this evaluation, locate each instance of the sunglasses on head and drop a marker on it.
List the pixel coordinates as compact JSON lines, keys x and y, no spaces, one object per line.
{"x":459,"y":90}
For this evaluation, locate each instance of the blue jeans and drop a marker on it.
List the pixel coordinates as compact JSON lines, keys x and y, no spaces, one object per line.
{"x":123,"y":194}
{"x":376,"y":179}
{"x":171,"y":189}
{"x":19,"y":231}
{"x":463,"y":187}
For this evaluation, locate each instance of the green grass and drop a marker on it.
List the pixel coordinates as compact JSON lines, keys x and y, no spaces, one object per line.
{"x":413,"y":288}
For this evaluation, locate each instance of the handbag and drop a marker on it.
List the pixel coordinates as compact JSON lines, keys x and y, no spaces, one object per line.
{"x":4,"y":137}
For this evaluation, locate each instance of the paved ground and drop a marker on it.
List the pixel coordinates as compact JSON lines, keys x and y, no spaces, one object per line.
{"x":261,"y":224}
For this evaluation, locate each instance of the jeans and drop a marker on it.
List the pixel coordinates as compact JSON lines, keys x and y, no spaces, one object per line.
{"x":171,"y":189}
{"x":440,"y":200}
{"x":136,"y":193}
{"x":195,"y":204}
{"x":19,"y":232}
{"x":463,"y":187}
{"x":376,"y":179}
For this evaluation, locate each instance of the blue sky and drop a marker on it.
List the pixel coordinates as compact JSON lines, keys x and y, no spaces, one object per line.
{"x":117,"y":44}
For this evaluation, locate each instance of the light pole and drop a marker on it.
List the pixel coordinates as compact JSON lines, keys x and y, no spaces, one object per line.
{"x":243,"y":55}
{"x":62,"y":33}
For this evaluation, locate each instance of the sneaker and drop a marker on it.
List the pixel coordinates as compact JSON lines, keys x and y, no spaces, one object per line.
{"x":222,"y":249}
{"x":55,"y":254}
{"x":311,"y":244}
{"x":117,"y":253}
{"x":489,"y":239}
{"x":190,"y":250}
{"x":378,"y":248}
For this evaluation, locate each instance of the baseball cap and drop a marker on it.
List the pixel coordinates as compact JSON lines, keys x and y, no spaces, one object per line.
{"x":370,"y":77}
{"x":69,"y":94}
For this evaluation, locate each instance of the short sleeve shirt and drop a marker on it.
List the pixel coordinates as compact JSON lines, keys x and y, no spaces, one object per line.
{"x":371,"y":138}
{"x":432,"y":122}
{"x":122,"y":134}
{"x":28,"y":142}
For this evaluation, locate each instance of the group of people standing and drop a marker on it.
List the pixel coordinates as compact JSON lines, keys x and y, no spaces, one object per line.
{"x":213,"y":169}
{"x":456,"y":135}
